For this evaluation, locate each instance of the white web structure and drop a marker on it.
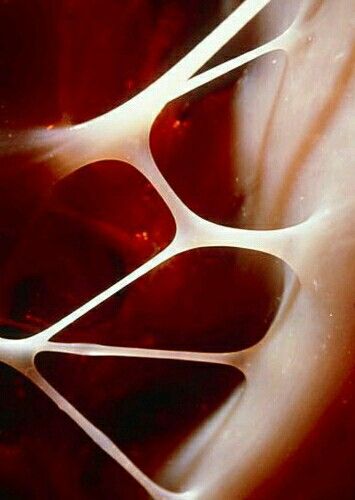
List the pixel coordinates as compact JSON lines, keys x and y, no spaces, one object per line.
{"x":123,"y":134}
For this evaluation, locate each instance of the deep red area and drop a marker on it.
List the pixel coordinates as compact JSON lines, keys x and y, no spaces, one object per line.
{"x":206,"y":300}
{"x":97,"y":225}
{"x":70,"y":60}
{"x":44,"y":455}
{"x":201,"y":171}
{"x":147,"y":406}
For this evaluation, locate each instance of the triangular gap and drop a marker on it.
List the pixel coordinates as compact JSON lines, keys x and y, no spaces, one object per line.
{"x":214,"y":41}
{"x":270,"y":28}
{"x":205,"y":300}
{"x":192,"y":144}
{"x":100,"y":224}
{"x":198,"y":142}
{"x":257,"y":32}
{"x":146,"y":407}
{"x":43,"y":451}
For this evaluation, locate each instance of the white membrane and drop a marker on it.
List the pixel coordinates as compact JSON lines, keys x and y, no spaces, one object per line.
{"x":305,"y":170}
